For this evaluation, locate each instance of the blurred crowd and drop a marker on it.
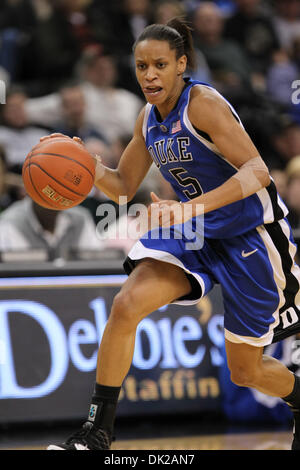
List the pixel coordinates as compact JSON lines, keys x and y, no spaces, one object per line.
{"x":68,"y":67}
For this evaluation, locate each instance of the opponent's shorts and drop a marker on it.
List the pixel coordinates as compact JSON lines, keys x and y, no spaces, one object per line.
{"x":257,"y":274}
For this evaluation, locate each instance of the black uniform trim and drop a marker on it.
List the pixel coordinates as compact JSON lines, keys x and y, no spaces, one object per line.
{"x":277,"y":211}
{"x":291,"y":289}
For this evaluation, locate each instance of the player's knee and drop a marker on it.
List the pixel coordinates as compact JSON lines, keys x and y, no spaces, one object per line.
{"x":124,"y":311}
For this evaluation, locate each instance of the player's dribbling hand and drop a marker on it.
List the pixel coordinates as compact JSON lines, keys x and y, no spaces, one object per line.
{"x":56,"y":135}
{"x":53,"y":136}
{"x":99,"y":168}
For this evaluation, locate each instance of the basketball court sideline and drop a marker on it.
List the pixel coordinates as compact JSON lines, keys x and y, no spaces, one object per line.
{"x":272,"y":437}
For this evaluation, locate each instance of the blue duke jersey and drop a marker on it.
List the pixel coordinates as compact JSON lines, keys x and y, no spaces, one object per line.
{"x":193,"y":165}
{"x":248,"y":246}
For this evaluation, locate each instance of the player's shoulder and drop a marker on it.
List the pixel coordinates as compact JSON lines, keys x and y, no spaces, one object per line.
{"x":206,"y":96}
{"x":140,"y":120}
{"x":142,"y":112}
{"x":207,"y":100}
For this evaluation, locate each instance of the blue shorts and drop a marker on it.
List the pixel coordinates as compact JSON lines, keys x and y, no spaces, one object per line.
{"x":257,"y":274}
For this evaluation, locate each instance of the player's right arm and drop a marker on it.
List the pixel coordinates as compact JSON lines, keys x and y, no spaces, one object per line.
{"x":132,"y":168}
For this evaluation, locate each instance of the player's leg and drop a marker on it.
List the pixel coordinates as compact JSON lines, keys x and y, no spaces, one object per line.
{"x":151,"y":285}
{"x":261,"y":300}
{"x":249,"y":367}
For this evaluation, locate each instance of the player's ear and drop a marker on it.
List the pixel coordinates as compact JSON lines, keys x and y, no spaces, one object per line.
{"x":181,"y":64}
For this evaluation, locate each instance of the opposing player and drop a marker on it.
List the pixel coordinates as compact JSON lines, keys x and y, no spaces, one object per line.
{"x":197,"y":141}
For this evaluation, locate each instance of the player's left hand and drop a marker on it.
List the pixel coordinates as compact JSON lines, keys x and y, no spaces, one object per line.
{"x":168,"y":212}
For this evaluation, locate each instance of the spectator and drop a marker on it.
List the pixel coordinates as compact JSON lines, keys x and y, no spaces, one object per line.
{"x":117,"y":148}
{"x":17,"y":136}
{"x":39,"y":43}
{"x":97,"y":197}
{"x":56,"y":48}
{"x":165,"y":10}
{"x":110,"y":110}
{"x":42,"y":39}
{"x":287,"y":21}
{"x":3,"y":199}
{"x":226,"y":60}
{"x":97,"y":146}
{"x":254,"y":31}
{"x":131,"y":18}
{"x":18,"y":21}
{"x":10,"y":183}
{"x":280,"y":179}
{"x":114,"y":110}
{"x":73,"y":105}
{"x":280,"y":76}
{"x":285,"y":141}
{"x":85,"y":20}
{"x":60,"y":37}
{"x":295,"y":52}
{"x":28,"y":226}
{"x":293,"y":194}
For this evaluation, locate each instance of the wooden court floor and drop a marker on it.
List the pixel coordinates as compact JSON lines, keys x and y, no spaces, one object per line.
{"x":245,"y":441}
{"x":239,"y":441}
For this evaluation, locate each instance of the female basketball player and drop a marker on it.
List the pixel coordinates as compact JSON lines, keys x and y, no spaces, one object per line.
{"x":197,"y":141}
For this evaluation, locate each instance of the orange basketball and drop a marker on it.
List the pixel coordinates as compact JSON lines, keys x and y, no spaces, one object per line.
{"x":58,"y":173}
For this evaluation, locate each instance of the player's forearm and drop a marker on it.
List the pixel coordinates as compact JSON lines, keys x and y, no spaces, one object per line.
{"x":111,"y":183}
{"x":225,"y":194}
{"x":231,"y":191}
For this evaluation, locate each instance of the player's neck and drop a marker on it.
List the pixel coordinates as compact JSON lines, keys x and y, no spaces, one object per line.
{"x":169,"y":104}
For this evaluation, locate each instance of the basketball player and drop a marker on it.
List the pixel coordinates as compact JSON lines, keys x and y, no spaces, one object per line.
{"x":199,"y":144}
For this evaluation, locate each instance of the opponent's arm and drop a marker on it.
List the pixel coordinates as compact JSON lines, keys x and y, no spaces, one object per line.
{"x":210,"y":113}
{"x":132,"y":168}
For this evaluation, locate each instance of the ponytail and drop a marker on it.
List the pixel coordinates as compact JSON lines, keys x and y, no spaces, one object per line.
{"x":185,"y":32}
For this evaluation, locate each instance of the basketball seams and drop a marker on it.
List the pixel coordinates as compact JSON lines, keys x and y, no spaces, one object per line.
{"x":56,"y":181}
{"x":35,"y":173}
{"x":66,"y":157}
{"x":48,"y":203}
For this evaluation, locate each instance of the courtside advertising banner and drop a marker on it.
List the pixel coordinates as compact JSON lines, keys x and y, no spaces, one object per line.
{"x":50,"y":330}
